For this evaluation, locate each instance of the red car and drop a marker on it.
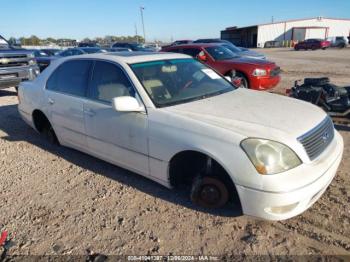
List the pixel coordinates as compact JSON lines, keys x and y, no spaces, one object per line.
{"x":258,"y":74}
{"x":312,"y":44}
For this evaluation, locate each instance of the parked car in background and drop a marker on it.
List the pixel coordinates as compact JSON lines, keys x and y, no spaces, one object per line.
{"x":258,"y":74}
{"x":241,"y":51}
{"x":88,"y":44}
{"x":338,"y":41}
{"x":117,"y":49}
{"x":211,"y":41}
{"x":174,"y":120}
{"x":44,"y":62}
{"x":153,"y":46}
{"x":51,"y":51}
{"x":132,"y":46}
{"x":16,"y":65}
{"x":178,"y":42}
{"x":312,"y":44}
{"x":41,"y":58}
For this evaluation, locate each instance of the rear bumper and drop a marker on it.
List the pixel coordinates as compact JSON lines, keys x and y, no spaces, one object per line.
{"x":10,"y":77}
{"x":284,"y":205}
{"x":264,"y":83}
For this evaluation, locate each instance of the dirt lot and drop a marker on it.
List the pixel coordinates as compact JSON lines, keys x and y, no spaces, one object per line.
{"x":60,"y":201}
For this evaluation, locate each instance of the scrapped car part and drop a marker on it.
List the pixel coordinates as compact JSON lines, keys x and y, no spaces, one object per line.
{"x":333,"y":99}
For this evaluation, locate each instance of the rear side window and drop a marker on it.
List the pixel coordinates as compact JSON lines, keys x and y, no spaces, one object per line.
{"x":109,"y":81}
{"x":71,"y":78}
{"x":191,"y":51}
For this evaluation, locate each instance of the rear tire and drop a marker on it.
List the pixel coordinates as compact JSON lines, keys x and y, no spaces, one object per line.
{"x":209,"y":192}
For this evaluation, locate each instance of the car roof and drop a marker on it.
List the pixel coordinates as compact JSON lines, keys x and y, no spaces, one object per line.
{"x":204,"y":45}
{"x":132,"y":57}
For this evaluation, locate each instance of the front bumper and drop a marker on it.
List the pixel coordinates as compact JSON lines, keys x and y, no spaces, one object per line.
{"x":12,"y":76}
{"x":264,"y":83}
{"x":284,"y":205}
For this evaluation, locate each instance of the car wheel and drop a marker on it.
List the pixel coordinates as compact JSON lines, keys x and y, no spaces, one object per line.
{"x":50,"y":135}
{"x":244,"y":81}
{"x":209,"y":192}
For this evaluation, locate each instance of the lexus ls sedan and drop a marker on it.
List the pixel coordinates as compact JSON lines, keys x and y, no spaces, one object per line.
{"x":178,"y":122}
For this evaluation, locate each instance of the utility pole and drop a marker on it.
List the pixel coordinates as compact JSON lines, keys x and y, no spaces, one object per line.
{"x":143,"y":24}
{"x":137,"y":37}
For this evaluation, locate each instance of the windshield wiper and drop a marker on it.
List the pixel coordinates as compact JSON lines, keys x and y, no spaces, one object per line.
{"x":195,"y":98}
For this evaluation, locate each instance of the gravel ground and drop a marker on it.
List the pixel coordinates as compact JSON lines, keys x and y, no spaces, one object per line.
{"x":60,"y":201}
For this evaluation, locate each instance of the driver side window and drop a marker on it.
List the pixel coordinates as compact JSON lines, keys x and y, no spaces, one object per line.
{"x":109,"y":81}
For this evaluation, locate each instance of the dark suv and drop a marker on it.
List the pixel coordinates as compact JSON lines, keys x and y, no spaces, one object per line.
{"x":16,"y":65}
{"x":132,"y":47}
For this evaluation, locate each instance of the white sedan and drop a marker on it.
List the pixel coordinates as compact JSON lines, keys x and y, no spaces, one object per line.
{"x":172,"y":119}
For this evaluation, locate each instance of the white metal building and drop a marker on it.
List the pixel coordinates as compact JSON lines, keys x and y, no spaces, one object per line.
{"x":292,"y":30}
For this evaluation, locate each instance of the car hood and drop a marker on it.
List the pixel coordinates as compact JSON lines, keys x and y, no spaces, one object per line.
{"x":251,"y":61}
{"x":254,"y":114}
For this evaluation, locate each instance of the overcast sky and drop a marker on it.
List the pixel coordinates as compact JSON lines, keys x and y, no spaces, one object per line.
{"x":164,"y":19}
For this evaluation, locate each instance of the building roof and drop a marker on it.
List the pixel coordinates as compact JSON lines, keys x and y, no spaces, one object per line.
{"x":287,"y":21}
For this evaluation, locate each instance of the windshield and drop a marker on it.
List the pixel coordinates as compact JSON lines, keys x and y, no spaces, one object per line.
{"x":220,"y":53}
{"x":176,"y":81}
{"x":3,"y":43}
{"x":233,"y":49}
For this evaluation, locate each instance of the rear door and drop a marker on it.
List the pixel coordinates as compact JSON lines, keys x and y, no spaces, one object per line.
{"x":117,"y":137}
{"x":66,"y":91}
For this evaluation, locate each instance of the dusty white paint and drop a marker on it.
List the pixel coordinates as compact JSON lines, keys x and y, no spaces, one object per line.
{"x":283,"y":31}
{"x":145,"y":142}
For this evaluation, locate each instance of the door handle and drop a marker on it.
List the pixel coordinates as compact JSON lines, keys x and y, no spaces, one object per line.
{"x":90,"y":112}
{"x":51,"y":101}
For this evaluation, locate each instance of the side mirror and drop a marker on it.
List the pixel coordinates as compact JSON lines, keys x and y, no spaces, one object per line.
{"x":127,"y":104}
{"x":202,"y":57}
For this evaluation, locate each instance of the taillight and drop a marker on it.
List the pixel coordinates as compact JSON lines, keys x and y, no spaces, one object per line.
{"x":288,"y":91}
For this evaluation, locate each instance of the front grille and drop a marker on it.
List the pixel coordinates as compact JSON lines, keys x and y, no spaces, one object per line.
{"x":275,"y":72}
{"x":13,"y":64}
{"x":318,"y":139}
{"x":13,"y":56}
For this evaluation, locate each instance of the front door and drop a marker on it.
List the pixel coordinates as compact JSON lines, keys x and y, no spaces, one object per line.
{"x":117,"y":137}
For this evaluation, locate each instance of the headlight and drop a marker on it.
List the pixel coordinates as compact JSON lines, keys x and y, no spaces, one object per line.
{"x":32,"y":62}
{"x":270,"y":157}
{"x":259,"y":72}
{"x":31,"y":55}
